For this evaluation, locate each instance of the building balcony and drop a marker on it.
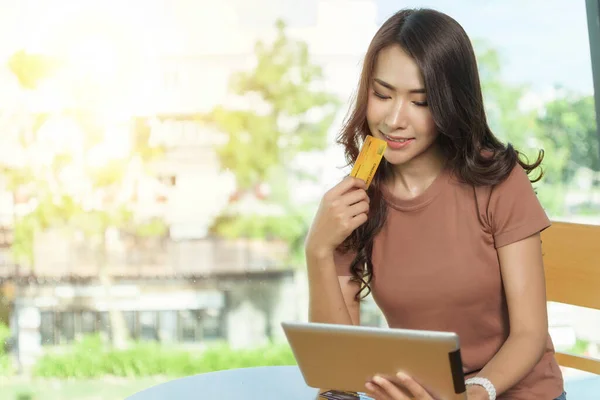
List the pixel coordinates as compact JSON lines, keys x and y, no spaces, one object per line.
{"x":61,"y":260}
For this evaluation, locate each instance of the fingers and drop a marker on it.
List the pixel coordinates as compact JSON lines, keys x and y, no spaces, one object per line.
{"x":417,"y":390}
{"x":354,"y":196}
{"x":358,"y":208}
{"x":384,"y":389}
{"x":346,"y":184}
{"x":344,"y":208}
{"x":357,"y":221}
{"x":376,"y":392}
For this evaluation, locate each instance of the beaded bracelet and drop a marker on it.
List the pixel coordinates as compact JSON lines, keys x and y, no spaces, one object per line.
{"x":485,"y":383}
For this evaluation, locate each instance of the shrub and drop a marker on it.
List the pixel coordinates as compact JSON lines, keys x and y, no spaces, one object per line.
{"x":6,"y":367}
{"x":90,"y":359}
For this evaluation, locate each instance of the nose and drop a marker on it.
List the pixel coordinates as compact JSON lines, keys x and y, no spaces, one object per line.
{"x":396,"y":118}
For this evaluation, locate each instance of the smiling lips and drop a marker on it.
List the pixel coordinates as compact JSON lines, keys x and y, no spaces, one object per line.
{"x":397,"y":142}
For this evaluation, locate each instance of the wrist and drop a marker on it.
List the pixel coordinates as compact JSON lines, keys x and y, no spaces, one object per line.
{"x":476,"y":392}
{"x":480,"y":388}
{"x":318,"y":253}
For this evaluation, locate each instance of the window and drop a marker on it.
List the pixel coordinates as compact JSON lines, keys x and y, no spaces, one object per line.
{"x":211,"y":325}
{"x":148,"y":323}
{"x":540,"y":98}
{"x":593,"y":19}
{"x":167,"y":322}
{"x":66,"y":327}
{"x":87,"y":322}
{"x":47,"y":326}
{"x":131,"y":323}
{"x":103,"y":323}
{"x":188,"y":322}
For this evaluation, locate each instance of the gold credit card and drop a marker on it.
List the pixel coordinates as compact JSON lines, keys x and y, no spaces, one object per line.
{"x":368,"y":159}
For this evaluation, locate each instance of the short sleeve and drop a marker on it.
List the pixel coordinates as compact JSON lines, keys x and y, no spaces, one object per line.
{"x":514,"y":211}
{"x":343,"y":261}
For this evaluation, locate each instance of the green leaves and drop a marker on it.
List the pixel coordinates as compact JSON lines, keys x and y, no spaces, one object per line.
{"x":569,"y":124}
{"x":51,"y":211}
{"x":565,"y":129}
{"x":79,"y":188}
{"x":90,"y":358}
{"x":252,"y":148}
{"x":286,"y":113}
{"x":110,"y":174}
{"x":31,"y":69}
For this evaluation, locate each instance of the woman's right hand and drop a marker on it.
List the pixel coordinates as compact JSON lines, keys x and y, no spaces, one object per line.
{"x":343,"y":209}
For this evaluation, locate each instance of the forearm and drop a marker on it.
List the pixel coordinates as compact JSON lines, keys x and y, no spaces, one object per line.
{"x":326,"y":302}
{"x":515,"y":359}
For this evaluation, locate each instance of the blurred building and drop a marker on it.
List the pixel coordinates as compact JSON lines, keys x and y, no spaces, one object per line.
{"x":186,"y":286}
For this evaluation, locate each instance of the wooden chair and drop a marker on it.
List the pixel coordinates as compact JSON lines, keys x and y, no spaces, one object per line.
{"x":572,"y":265}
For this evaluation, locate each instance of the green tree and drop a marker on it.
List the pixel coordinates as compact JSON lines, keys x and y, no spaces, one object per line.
{"x":289,"y":114}
{"x":97,"y":206}
{"x":506,"y":116}
{"x":512,"y":123}
{"x":569,"y":123}
{"x":31,"y":69}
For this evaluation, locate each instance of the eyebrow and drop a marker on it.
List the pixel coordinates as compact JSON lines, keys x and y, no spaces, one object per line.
{"x":391,"y":87}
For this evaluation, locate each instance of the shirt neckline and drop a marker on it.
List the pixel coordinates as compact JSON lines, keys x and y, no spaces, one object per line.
{"x":420,"y":201}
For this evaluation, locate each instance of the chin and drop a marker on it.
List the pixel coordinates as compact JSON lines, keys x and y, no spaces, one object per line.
{"x":397,"y":159}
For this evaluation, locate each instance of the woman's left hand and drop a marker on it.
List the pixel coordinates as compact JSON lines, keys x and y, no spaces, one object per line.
{"x":382,"y":389}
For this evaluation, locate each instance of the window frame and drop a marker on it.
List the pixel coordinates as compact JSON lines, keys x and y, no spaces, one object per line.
{"x":593,"y":23}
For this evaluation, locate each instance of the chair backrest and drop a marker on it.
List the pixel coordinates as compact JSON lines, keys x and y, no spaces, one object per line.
{"x":572,"y":267}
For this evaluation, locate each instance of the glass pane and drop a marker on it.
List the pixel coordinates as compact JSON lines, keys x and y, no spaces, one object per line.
{"x":148,"y":325}
{"x":229,"y":265}
{"x":130,"y":322}
{"x":211,"y":324}
{"x":189,"y":323}
{"x":47,"y":328}
{"x":67,"y":327}
{"x":103,"y":323}
{"x":88,"y":322}
{"x":167,"y":326}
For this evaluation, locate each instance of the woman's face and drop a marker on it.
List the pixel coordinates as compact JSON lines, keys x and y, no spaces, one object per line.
{"x":397,"y":109}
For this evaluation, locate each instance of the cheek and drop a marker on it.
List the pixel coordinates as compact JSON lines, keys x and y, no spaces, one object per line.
{"x":370,"y":112}
{"x":375,"y":112}
{"x":426,"y":125}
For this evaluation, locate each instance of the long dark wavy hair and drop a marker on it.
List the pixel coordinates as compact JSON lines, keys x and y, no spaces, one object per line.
{"x":445,"y":57}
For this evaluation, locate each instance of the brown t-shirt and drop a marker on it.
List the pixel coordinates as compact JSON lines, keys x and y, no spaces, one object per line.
{"x":436,"y":268}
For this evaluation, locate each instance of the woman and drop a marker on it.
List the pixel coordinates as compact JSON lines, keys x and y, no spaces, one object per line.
{"x":447,"y":237}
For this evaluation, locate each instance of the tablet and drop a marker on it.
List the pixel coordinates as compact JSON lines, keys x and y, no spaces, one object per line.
{"x":344,"y":357}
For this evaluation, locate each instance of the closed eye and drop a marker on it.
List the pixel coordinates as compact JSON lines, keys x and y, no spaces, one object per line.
{"x":376,"y":93}
{"x":420,"y":103}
